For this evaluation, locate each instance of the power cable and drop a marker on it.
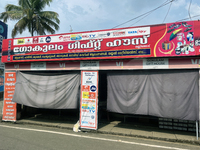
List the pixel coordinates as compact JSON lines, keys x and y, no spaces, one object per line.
{"x":165,"y":3}
{"x":167,"y":12}
{"x":140,"y":19}
{"x":187,"y":18}
{"x":150,"y":13}
{"x":189,"y":9}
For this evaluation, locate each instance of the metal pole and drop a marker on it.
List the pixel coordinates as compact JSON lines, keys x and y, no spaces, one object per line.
{"x":197,"y":129}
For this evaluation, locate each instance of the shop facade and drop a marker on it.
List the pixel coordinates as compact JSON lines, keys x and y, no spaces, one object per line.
{"x":148,"y":70}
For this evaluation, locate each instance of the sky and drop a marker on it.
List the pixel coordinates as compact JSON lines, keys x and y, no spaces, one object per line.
{"x":90,"y":15}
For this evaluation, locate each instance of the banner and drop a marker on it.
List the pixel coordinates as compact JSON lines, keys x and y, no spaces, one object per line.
{"x":9,"y":107}
{"x":89,"y":100}
{"x":164,"y":40}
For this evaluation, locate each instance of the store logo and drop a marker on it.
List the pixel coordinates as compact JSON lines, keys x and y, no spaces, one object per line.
{"x":76,"y":37}
{"x":64,"y":38}
{"x":118,"y":33}
{"x":132,"y":32}
{"x":35,"y":40}
{"x":28,"y":41}
{"x":89,"y":80}
{"x":89,"y":36}
{"x":20,"y":41}
{"x":92,"y":111}
{"x":48,"y":39}
{"x":141,"y":31}
{"x":93,"y":88}
{"x":104,"y":34}
{"x":41,"y":40}
{"x":1,"y":29}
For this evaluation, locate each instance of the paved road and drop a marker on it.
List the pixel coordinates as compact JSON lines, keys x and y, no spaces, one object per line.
{"x":23,"y":137}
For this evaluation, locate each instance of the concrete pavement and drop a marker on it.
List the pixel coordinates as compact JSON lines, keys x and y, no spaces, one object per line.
{"x":116,"y":128}
{"x":120,"y":128}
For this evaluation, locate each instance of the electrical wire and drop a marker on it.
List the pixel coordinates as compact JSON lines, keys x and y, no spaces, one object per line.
{"x":140,"y":19}
{"x":187,"y":18}
{"x":189,"y":9}
{"x":167,"y":12}
{"x":165,"y":3}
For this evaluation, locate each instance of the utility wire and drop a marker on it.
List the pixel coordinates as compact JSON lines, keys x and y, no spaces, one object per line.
{"x":165,"y":3}
{"x":149,"y":14}
{"x":167,"y":12}
{"x":140,"y":19}
{"x":189,"y":9}
{"x":187,"y":18}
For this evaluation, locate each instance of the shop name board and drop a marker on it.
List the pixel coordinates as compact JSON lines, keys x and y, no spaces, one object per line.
{"x":165,"y":40}
{"x":92,"y":44}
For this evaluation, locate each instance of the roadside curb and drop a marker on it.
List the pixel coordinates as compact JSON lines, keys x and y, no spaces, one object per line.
{"x":58,"y":125}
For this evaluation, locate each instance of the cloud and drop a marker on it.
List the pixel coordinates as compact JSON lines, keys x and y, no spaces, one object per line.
{"x":91,"y":15}
{"x":194,"y":9}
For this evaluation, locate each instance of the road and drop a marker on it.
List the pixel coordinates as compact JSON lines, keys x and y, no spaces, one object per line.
{"x":30,"y":137}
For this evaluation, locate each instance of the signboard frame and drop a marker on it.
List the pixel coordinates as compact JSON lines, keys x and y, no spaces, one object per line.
{"x":9,"y":107}
{"x":3,"y":33}
{"x":89,"y":100}
{"x":178,"y":39}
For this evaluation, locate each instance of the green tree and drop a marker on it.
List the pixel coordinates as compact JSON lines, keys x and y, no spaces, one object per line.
{"x":30,"y":15}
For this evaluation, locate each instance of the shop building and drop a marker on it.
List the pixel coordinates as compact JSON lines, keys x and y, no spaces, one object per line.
{"x":147,"y":70}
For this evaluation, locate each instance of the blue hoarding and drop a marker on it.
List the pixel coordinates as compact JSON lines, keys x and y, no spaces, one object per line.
{"x":3,"y":33}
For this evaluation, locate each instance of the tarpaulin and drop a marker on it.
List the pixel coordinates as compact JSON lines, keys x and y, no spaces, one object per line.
{"x":47,"y":90}
{"x":161,"y":93}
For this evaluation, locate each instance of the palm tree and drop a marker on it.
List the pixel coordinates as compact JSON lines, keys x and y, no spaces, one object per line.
{"x":30,"y":16}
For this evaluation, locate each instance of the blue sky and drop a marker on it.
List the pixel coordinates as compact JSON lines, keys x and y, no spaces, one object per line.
{"x":90,"y":15}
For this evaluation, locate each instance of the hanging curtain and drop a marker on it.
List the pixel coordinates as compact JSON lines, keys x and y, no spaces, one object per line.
{"x":161,"y":93}
{"x":47,"y":90}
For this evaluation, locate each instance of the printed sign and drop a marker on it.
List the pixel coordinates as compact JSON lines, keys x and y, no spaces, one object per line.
{"x":9,"y":107}
{"x":38,"y":66}
{"x":3,"y":33}
{"x":158,"y":63}
{"x":89,"y":100}
{"x":165,"y":40}
{"x":89,"y":65}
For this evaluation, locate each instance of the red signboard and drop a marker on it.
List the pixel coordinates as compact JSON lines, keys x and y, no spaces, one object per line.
{"x":9,"y":108}
{"x":165,"y":40}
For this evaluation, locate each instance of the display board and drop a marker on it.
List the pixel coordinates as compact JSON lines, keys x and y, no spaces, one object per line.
{"x":9,"y":107}
{"x":89,"y":100}
{"x":163,"y":40}
{"x":3,"y":33}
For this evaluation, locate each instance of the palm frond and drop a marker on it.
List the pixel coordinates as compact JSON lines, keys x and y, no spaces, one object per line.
{"x":11,"y":7}
{"x":30,"y":16}
{"x":50,"y":15}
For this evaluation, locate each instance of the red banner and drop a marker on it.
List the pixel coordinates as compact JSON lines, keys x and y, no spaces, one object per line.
{"x":165,"y":40}
{"x":9,"y":107}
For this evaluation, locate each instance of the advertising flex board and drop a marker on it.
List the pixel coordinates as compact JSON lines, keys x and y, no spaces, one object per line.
{"x":164,"y":40}
{"x":9,"y":107}
{"x":3,"y":33}
{"x":89,"y":100}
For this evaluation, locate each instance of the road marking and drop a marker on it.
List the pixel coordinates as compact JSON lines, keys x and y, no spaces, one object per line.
{"x":94,"y":138}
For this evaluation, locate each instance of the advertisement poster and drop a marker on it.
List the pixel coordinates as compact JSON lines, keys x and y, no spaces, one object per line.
{"x":178,"y":40}
{"x":163,"y":40}
{"x":3,"y":33}
{"x":89,"y":100}
{"x":9,"y":107}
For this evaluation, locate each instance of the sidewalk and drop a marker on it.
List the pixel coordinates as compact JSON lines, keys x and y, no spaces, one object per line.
{"x":120,"y":128}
